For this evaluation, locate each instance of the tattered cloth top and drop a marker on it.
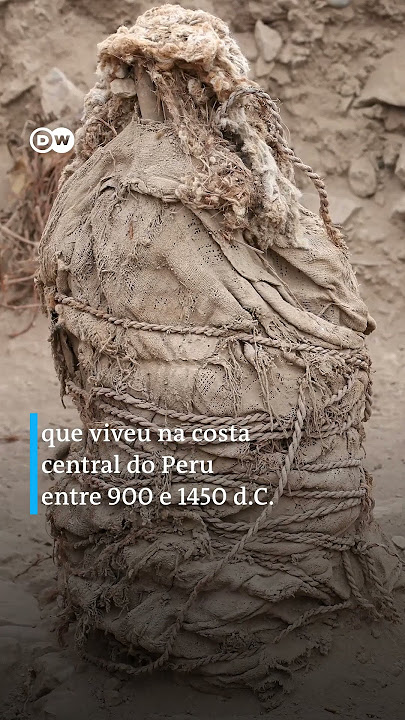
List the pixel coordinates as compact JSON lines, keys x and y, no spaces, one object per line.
{"x":235,"y":159}
{"x":186,"y":285}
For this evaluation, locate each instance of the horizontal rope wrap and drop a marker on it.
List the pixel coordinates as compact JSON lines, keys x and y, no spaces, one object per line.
{"x":233,"y":541}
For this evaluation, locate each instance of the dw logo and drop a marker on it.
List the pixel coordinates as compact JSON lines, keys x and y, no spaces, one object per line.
{"x":61,"y":140}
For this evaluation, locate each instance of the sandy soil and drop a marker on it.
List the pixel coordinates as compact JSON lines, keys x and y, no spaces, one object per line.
{"x":327,"y":60}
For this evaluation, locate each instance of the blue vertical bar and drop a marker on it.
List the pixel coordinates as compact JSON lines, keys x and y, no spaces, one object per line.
{"x":33,"y":463}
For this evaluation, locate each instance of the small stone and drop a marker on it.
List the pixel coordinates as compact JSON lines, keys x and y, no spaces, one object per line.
{"x":125,"y":88}
{"x":34,"y":640}
{"x":329,"y":162}
{"x":338,"y":3}
{"x":363,"y":656}
{"x":362,"y":177}
{"x":345,"y":104}
{"x":374,"y":112}
{"x":10,"y":654}
{"x":247,"y":44}
{"x":294,"y":55}
{"x":268,"y":41}
{"x":398,"y":211}
{"x":394,"y":120}
{"x":399,"y":541}
{"x":397,"y":669}
{"x":59,"y":95}
{"x":113,"y":692}
{"x":14,"y":90}
{"x":349,"y":87}
{"x":307,"y":32}
{"x":386,"y":82}
{"x":380,"y":199}
{"x":67,"y":703}
{"x":280,"y":75}
{"x":342,"y":208}
{"x":400,"y":166}
{"x":263,"y":68}
{"x":17,"y":607}
{"x":271,"y":10}
{"x":358,"y":682}
{"x":391,"y":153}
{"x":51,"y":670}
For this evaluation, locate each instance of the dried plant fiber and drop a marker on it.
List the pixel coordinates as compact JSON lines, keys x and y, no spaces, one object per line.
{"x":186,"y":286}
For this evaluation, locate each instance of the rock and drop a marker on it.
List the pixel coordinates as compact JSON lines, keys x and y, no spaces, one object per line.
{"x":380,"y":198}
{"x":399,"y":541}
{"x":349,"y":87}
{"x":125,"y":88}
{"x":51,"y":671}
{"x":17,"y":607}
{"x":374,"y":112}
{"x":11,"y":659}
{"x":398,"y":211}
{"x":59,"y":96}
{"x":394,"y":120}
{"x":294,"y":55}
{"x":397,"y":669}
{"x":247,"y":44}
{"x":280,"y":75}
{"x":345,"y":104}
{"x":305,"y":29}
{"x":271,"y":10}
{"x":342,"y":208}
{"x":14,"y":90}
{"x":34,"y":640}
{"x":268,"y":41}
{"x":386,"y":83}
{"x":113,"y":692}
{"x":65,"y":704}
{"x":362,"y":177}
{"x":400,"y":166}
{"x":338,"y":3}
{"x":263,"y":68}
{"x":391,"y":152}
{"x":10,"y":654}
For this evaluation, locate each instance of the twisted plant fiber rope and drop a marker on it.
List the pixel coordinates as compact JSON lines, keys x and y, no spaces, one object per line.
{"x":352,"y":357}
{"x":237,"y":548}
{"x":228,"y":480}
{"x":355,"y":359}
{"x":212,"y":422}
{"x":344,"y":499}
{"x":258,"y":430}
{"x":285,"y":520}
{"x":250,"y":543}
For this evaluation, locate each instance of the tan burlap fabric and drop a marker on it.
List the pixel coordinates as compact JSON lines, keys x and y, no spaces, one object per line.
{"x":187,"y":287}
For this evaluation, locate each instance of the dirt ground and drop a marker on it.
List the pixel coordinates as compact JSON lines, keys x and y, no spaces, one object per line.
{"x":342,"y":94}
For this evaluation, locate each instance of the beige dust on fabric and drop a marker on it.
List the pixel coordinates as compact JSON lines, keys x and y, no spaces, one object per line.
{"x":187,"y":287}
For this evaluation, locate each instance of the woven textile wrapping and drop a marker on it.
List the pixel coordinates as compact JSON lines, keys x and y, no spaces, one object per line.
{"x":187,"y":287}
